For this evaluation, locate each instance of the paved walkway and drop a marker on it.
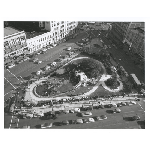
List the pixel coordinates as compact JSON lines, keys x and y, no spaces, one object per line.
{"x":80,"y":104}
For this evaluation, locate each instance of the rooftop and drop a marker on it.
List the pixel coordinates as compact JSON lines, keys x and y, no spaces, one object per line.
{"x":10,"y":31}
{"x":34,"y":34}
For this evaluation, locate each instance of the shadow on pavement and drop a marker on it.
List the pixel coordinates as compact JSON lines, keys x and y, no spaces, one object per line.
{"x":141,"y":124}
{"x":78,"y":115}
{"x":38,"y":126}
{"x":109,"y":111}
{"x":128,"y":118}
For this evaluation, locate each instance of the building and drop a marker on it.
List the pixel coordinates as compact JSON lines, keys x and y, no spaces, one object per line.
{"x":58,"y":31}
{"x":38,"y":42}
{"x":14,"y":42}
{"x":118,"y":32}
{"x":135,"y":41}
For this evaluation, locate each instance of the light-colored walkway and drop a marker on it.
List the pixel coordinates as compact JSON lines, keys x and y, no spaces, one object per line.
{"x":29,"y":96}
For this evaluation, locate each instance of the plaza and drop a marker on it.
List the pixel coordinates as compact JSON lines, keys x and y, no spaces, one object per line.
{"x":86,"y":76}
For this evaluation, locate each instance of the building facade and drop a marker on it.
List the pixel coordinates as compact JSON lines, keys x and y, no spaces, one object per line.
{"x":58,"y":30}
{"x":14,"y":42}
{"x":118,"y":32}
{"x":135,"y":39}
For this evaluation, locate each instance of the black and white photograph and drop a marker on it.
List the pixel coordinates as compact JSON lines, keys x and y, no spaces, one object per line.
{"x":74,"y":74}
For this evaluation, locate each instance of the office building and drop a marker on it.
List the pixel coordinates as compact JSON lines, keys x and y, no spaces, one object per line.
{"x":14,"y":42}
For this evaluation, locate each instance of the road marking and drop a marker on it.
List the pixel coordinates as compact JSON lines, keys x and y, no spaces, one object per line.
{"x":12,"y":74}
{"x":10,"y":83}
{"x":140,"y":106}
{"x":8,"y":92}
{"x":132,"y":111}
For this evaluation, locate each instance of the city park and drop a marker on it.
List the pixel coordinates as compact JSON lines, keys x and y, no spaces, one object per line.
{"x":89,"y":72}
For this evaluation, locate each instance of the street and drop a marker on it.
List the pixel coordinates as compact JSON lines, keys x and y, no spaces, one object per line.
{"x":26,"y":68}
{"x":114,"y":121}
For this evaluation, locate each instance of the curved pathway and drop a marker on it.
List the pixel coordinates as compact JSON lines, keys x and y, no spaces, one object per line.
{"x":31,"y":97}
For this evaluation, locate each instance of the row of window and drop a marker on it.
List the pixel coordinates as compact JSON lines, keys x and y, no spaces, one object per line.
{"x":14,"y":41}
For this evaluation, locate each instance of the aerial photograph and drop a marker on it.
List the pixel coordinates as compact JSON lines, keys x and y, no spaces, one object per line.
{"x":74,"y":75}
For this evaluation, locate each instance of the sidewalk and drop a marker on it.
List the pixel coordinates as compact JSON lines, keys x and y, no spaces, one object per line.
{"x":80,"y":104}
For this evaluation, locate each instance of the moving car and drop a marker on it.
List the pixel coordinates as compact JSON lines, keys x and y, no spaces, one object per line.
{"x":91,"y":120}
{"x":86,"y":114}
{"x":46,"y":125}
{"x":79,"y":121}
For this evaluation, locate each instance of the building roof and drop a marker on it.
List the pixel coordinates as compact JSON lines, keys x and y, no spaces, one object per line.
{"x":10,"y":31}
{"x":34,"y":34}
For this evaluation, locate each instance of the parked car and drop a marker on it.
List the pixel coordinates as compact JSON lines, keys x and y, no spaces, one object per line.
{"x":11,"y":66}
{"x":85,"y":120}
{"x":65,"y":122}
{"x":35,"y":60}
{"x":44,"y":50}
{"x":69,"y":48}
{"x":39,"y":62}
{"x":97,"y":118}
{"x":136,"y":117}
{"x":133,"y":102}
{"x":114,"y":105}
{"x":127,"y":103}
{"x":123,"y":104}
{"x":29,"y":115}
{"x":91,"y":120}
{"x":86,"y":114}
{"x":25,"y":127}
{"x":79,"y":121}
{"x":72,"y":122}
{"x":102,"y":106}
{"x":103,"y":117}
{"x":117,"y":110}
{"x":109,"y":105}
{"x":66,"y":111}
{"x":119,"y":105}
{"x":72,"y":111}
{"x":77,"y":110}
{"x":46,"y":125}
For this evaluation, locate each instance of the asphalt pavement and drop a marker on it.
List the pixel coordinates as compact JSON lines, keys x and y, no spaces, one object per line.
{"x":114,"y":121}
{"x":25,"y":69}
